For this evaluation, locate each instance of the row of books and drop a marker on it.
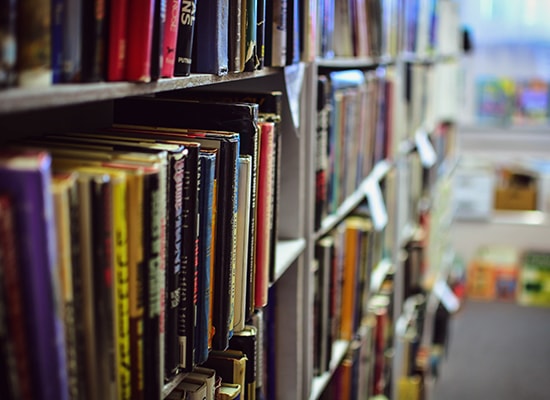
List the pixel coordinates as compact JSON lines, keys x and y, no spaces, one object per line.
{"x":354,"y":132}
{"x":132,"y":253}
{"x":60,"y":41}
{"x":505,"y":101}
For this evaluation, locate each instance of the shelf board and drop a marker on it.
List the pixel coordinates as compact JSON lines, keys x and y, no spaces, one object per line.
{"x":23,"y":99}
{"x":319,"y":383}
{"x":427,"y":58}
{"x":495,"y":129}
{"x":287,"y":252}
{"x":378,"y":172}
{"x":379,"y":273}
{"x":353,"y":62}
{"x":510,"y":217}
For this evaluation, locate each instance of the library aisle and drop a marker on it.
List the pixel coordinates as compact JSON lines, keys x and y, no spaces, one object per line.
{"x":497,"y":351}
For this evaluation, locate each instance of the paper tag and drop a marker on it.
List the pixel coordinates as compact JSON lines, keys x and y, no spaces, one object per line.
{"x":446,"y":296}
{"x":427,"y":154}
{"x":294,"y":78}
{"x":377,"y":207}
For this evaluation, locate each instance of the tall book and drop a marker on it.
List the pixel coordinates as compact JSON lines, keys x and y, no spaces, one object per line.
{"x":71,"y":71}
{"x":14,"y":337}
{"x":185,"y":39}
{"x":235,"y":37}
{"x":321,"y":155}
{"x":8,"y":39}
{"x":171,"y":27}
{"x":260,"y":33}
{"x":212,"y":30}
{"x":118,"y":38}
{"x":56,"y":40}
{"x":94,"y":40}
{"x":250,"y":34}
{"x":25,"y":176}
{"x":34,"y":65}
{"x":293,"y":26}
{"x":140,"y":41}
{"x":275,"y":33}
{"x":157,"y":38}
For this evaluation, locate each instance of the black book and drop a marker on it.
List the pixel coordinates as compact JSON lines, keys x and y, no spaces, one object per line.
{"x":184,"y":42}
{"x":260,"y":34}
{"x":159,"y":19}
{"x":94,"y":37}
{"x":246,"y":342}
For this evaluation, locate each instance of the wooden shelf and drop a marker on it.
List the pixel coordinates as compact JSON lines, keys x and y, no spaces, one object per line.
{"x":23,"y":99}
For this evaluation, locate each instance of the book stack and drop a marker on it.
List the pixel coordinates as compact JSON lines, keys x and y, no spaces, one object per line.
{"x":162,"y":244}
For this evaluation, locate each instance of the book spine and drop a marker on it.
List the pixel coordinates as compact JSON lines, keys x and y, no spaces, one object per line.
{"x":276,"y":31}
{"x":235,"y":29}
{"x":118,"y":25}
{"x":72,"y":42}
{"x":213,"y":29}
{"x":170,"y":38}
{"x":189,"y":253}
{"x":8,"y":41}
{"x":185,"y":39}
{"x":94,"y":37}
{"x":34,"y":39}
{"x":140,"y":40}
{"x":157,"y":40}
{"x":321,"y":155}
{"x":206,"y":195}
{"x":250,"y":35}
{"x":40,"y":285}
{"x":260,"y":34}
{"x":174,"y":267}
{"x":293,"y":32}
{"x":15,"y":342}
{"x":57,"y":32}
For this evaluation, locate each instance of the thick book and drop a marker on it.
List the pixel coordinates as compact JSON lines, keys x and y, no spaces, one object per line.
{"x":26,"y":176}
{"x":8,"y":35}
{"x":170,"y":38}
{"x":185,"y":38}
{"x":246,"y":341}
{"x":204,"y":276}
{"x":34,"y":64}
{"x":140,"y":41}
{"x":14,"y":345}
{"x":118,"y":38}
{"x":94,"y":40}
{"x":230,"y":366}
{"x":275,"y":33}
{"x":211,"y":38}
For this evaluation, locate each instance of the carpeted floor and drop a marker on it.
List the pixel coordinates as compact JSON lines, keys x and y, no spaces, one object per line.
{"x":497,"y":351}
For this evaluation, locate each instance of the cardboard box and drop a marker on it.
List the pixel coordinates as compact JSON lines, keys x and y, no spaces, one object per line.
{"x":516,"y":198}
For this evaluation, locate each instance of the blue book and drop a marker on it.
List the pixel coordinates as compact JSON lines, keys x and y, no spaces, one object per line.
{"x":25,"y":176}
{"x":206,"y":197}
{"x":210,"y":44}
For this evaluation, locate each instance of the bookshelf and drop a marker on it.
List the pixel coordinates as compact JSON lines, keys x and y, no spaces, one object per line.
{"x":383,"y":195}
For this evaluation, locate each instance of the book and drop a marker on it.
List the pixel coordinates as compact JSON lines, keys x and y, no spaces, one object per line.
{"x":157,"y":38}
{"x":71,"y":71}
{"x":140,"y":41}
{"x":257,"y":320}
{"x":260,"y":33}
{"x":321,"y":155}
{"x":264,"y":214}
{"x":186,"y":38}
{"x":34,"y":64}
{"x":212,"y":30}
{"x":94,"y":40}
{"x":173,"y":8}
{"x":275,"y":33}
{"x":207,"y":376}
{"x":62,"y":186}
{"x":243,"y":225}
{"x":246,"y":342}
{"x":56,"y":42}
{"x":293,"y":27}
{"x":250,"y":34}
{"x":8,"y":39}
{"x":189,"y":389}
{"x":234,"y":50}
{"x":14,"y":337}
{"x":118,"y":38}
{"x":25,"y":176}
{"x":230,"y":365}
{"x":229,"y":391}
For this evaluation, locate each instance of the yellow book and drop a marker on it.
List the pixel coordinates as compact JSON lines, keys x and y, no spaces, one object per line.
{"x":350,"y":281}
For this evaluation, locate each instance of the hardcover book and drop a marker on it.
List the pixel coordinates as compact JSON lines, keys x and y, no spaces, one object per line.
{"x":173,"y":8}
{"x":236,"y":15}
{"x":118,"y":37}
{"x":94,"y":40}
{"x":246,"y":341}
{"x":275,"y":33}
{"x":71,"y":71}
{"x":26,"y":176}
{"x":250,"y":35}
{"x":140,"y":41}
{"x":185,"y":39}
{"x":230,"y":365}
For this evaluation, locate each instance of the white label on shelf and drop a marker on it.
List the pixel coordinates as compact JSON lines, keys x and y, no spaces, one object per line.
{"x":427,"y":154}
{"x":377,"y":206}
{"x":294,"y":78}
{"x":446,"y":296}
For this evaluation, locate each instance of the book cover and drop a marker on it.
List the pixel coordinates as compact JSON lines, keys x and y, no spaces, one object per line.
{"x":71,"y":71}
{"x":34,"y":40}
{"x":26,"y":176}
{"x":246,"y":342}
{"x":185,"y":38}
{"x":275,"y":33}
{"x":321,"y":155}
{"x":94,"y":40}
{"x":230,"y":365}
{"x":235,"y":58}
{"x":14,"y":345}
{"x":173,"y":8}
{"x":243,"y":224}
{"x":157,"y":38}
{"x":212,"y":30}
{"x":8,"y":41}
{"x":140,"y":41}
{"x":293,"y":26}
{"x":264,"y":214}
{"x":189,"y":389}
{"x":260,"y":33}
{"x":250,"y":35}
{"x":207,"y":376}
{"x":118,"y":37}
{"x":57,"y":33}
{"x":258,"y":321}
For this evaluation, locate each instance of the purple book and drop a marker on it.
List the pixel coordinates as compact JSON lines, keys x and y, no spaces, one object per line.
{"x":25,"y":176}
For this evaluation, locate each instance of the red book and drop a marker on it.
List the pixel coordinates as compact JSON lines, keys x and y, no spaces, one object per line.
{"x":140,"y":37}
{"x":264,"y":215}
{"x":117,"y":40}
{"x":170,"y":38}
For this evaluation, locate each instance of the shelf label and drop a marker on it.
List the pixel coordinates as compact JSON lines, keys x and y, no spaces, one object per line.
{"x":377,"y":207}
{"x":427,"y":154}
{"x":294,"y":78}
{"x":446,"y":296}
